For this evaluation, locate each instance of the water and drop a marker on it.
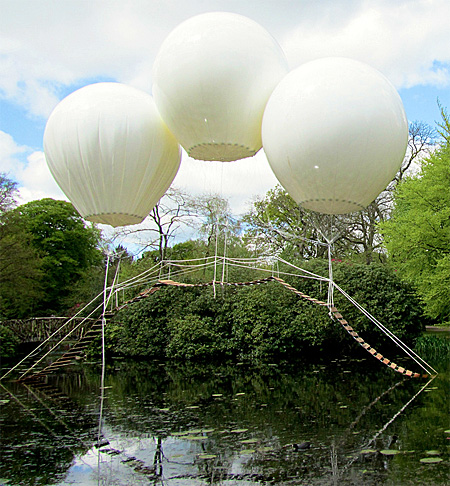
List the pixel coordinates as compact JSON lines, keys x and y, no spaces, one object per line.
{"x":234,"y":424}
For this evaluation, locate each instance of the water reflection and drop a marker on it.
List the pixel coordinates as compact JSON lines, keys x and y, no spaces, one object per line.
{"x":234,"y":424}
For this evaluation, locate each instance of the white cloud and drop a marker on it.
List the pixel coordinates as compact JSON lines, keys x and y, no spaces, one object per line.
{"x":36,"y":181}
{"x":407,"y":39}
{"x":29,"y":169}
{"x":49,"y":44}
{"x":9,"y":154}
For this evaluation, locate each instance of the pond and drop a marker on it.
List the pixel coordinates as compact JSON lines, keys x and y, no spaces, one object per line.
{"x":348,"y":422}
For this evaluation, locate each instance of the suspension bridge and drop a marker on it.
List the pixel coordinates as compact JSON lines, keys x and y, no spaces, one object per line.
{"x":83,"y":330}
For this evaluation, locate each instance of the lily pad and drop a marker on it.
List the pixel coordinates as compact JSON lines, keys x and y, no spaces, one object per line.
{"x":238,"y":431}
{"x":248,"y":451}
{"x":208,"y":431}
{"x":265,"y":449}
{"x":249,"y":441}
{"x":240,"y":394}
{"x":389,"y":452}
{"x":192,"y":407}
{"x":4,"y":402}
{"x":431,"y":460}
{"x":433,"y":453}
{"x":217,"y":395}
{"x":368,"y":451}
{"x":446,"y":431}
{"x":207,"y":456}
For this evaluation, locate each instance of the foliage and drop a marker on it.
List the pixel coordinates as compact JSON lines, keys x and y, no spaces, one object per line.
{"x":20,"y":269}
{"x":66,"y":247}
{"x":417,"y":235}
{"x":8,"y":342}
{"x":267,"y":321}
{"x":432,"y":347}
{"x":379,"y":290}
{"x":194,"y":337}
{"x":8,"y":193}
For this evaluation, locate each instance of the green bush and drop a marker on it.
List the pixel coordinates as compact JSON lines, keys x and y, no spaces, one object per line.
{"x":8,"y":342}
{"x":378,"y":290}
{"x":195,"y":338}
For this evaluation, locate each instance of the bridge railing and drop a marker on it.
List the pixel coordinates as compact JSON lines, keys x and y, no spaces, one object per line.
{"x":38,"y":329}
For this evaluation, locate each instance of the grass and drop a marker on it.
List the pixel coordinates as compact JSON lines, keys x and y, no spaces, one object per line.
{"x":433,"y":347}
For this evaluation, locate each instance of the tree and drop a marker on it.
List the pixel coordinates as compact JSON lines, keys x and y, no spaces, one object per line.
{"x":417,"y":236}
{"x":8,"y":193}
{"x":365,"y":236}
{"x":19,"y":264}
{"x":216,"y":223}
{"x":276,"y":223}
{"x":173,"y":210}
{"x":66,"y":246}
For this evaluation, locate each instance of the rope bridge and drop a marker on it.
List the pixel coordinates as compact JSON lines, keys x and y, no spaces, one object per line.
{"x":77,"y":350}
{"x":334,"y":312}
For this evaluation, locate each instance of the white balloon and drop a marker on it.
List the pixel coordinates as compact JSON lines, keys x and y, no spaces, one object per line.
{"x":335,"y":134}
{"x":212,"y":78}
{"x":110,"y":152}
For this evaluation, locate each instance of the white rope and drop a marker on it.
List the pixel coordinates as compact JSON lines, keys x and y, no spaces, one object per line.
{"x":386,"y":425}
{"x":330,"y":299}
{"x":421,"y":362}
{"x":224,"y":255}
{"x":215,"y":262}
{"x":152,"y":275}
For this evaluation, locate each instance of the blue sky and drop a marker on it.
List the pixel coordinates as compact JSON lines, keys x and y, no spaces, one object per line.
{"x":49,"y":48}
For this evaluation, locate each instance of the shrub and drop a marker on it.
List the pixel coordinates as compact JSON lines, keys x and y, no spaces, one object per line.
{"x":194,"y":337}
{"x":8,"y":342}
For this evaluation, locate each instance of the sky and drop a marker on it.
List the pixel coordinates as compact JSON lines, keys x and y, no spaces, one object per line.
{"x":50,"y":48}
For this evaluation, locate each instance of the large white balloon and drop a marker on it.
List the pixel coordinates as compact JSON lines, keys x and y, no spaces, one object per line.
{"x":335,"y":133}
{"x":110,"y":152}
{"x":212,"y":78}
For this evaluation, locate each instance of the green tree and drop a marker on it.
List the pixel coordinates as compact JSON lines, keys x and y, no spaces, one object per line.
{"x":8,"y":193}
{"x":19,"y":264}
{"x":67,"y":248}
{"x":173,"y":210}
{"x":417,"y":236}
{"x":216,"y":223}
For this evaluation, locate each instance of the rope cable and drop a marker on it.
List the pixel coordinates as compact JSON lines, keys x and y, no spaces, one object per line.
{"x":421,"y":362}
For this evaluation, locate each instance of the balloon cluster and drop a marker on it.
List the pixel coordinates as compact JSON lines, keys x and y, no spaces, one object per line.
{"x":334,"y":130}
